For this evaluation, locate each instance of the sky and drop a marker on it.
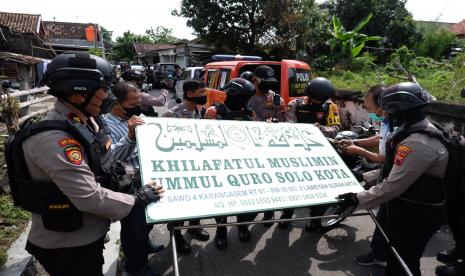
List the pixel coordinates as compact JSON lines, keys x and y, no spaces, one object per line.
{"x":120,"y":16}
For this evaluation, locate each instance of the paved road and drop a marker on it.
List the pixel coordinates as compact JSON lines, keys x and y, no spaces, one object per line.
{"x":276,"y":252}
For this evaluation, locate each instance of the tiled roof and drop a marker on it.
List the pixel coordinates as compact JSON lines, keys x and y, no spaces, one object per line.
{"x":459,"y":28}
{"x":145,"y":48}
{"x":20,"y":22}
{"x":66,"y":30}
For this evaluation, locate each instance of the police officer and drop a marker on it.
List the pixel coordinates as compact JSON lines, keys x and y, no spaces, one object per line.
{"x":238,"y":92}
{"x":247,"y":75}
{"x":413,"y":186}
{"x":194,"y":96}
{"x":147,"y":101}
{"x":67,"y":239}
{"x":266,"y":105}
{"x":315,"y":108}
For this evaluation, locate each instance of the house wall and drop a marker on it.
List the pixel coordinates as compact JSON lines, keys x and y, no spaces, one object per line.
{"x":24,"y":44}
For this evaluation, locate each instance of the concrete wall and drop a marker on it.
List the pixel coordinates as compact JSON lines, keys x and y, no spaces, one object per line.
{"x":353,"y":113}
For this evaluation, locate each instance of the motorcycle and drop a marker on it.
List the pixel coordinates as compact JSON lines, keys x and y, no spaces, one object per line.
{"x":358,"y":166}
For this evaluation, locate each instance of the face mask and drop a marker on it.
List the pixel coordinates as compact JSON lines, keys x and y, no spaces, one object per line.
{"x":135,"y":111}
{"x":108,"y":104}
{"x":266,"y":86}
{"x":202,"y":100}
{"x":375,"y":117}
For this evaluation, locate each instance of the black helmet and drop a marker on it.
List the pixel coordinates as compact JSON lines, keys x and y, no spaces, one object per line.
{"x":133,"y":75}
{"x":247,"y":75}
{"x":403,"y":96}
{"x":320,"y":89}
{"x":77,"y":73}
{"x":238,"y":92}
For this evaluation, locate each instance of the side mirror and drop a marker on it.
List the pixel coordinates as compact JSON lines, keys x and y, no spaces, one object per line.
{"x":462,"y":94}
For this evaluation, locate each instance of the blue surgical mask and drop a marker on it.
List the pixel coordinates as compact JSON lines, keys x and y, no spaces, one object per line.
{"x":375,"y":117}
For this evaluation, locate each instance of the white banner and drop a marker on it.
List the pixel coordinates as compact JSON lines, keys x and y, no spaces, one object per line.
{"x":211,"y":168}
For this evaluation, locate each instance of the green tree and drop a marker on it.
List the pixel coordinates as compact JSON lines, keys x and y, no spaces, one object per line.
{"x":436,"y":42}
{"x":96,"y":51}
{"x":391,"y":20}
{"x":350,"y":43}
{"x":237,"y":25}
{"x":297,"y":25}
{"x":123,"y":49}
{"x":161,"y":35}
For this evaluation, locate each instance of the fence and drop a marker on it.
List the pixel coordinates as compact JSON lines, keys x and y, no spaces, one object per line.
{"x":14,"y":118}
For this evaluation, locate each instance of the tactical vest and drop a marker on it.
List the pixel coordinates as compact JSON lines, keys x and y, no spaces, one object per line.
{"x":44,"y":197}
{"x":312,"y":113}
{"x":428,"y":191}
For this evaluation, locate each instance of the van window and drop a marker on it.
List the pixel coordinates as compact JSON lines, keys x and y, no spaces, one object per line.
{"x":198,"y":73}
{"x":186,"y":74}
{"x":298,"y":79}
{"x":225,"y":74}
{"x":212,"y":78}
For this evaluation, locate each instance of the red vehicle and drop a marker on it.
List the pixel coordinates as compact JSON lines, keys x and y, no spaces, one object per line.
{"x":292,"y":76}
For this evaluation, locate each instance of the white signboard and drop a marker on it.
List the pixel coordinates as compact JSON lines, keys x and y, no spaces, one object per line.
{"x":210,"y":168}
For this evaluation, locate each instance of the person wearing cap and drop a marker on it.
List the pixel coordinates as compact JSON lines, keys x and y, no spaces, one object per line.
{"x":76,"y":166}
{"x":315,"y":108}
{"x":238,"y":92}
{"x":266,"y":104}
{"x":413,"y":178}
{"x":147,"y":101}
{"x":194,"y":98}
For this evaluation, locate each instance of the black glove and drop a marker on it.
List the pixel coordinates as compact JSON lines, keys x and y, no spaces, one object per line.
{"x":146,"y":195}
{"x":348,"y":200}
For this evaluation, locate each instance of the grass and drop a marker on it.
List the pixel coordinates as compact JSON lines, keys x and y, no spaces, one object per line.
{"x":440,"y":83}
{"x":13,"y":220}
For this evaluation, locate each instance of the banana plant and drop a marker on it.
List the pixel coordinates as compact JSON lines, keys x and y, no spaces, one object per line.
{"x":350,"y":42}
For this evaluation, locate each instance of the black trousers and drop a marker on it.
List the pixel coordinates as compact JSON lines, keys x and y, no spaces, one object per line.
{"x":456,"y":220}
{"x":72,"y":261}
{"x":239,"y":218}
{"x":134,"y":239}
{"x":409,"y":229}
{"x":379,"y":246}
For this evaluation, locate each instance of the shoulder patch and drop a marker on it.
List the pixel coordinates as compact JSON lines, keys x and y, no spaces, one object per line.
{"x":68,"y":142}
{"x":401,"y":154}
{"x":73,"y":154}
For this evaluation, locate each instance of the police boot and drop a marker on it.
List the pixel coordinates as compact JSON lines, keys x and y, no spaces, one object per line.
{"x":221,"y":238}
{"x":451,"y":270}
{"x":181,"y":245}
{"x":244,"y":233}
{"x":447,"y":256}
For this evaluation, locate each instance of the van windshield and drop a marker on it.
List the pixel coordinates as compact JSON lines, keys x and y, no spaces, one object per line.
{"x":298,"y":79}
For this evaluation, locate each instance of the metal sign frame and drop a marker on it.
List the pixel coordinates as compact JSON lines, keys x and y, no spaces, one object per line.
{"x":212,"y":225}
